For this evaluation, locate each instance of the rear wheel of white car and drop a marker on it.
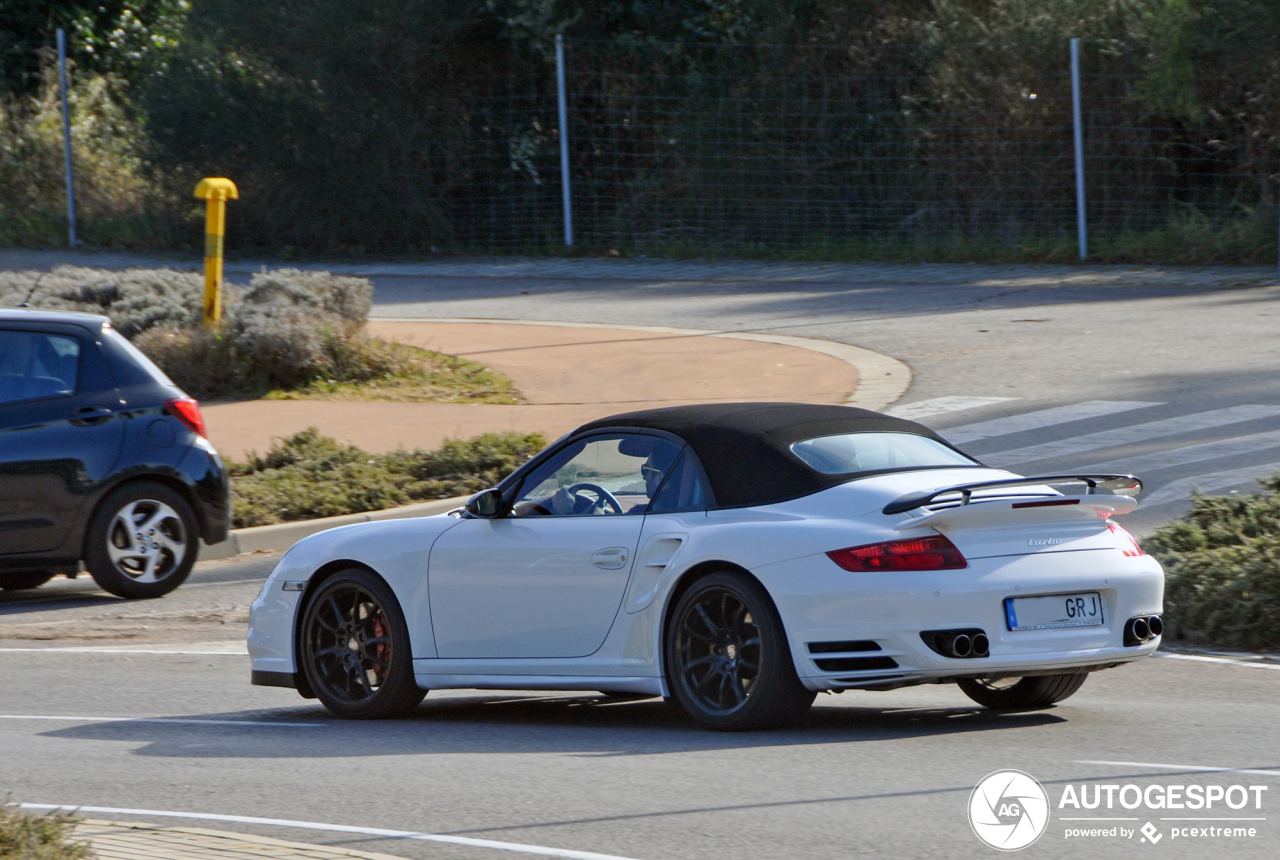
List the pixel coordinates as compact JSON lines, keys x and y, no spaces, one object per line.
{"x":728,"y":662}
{"x":1039,"y":691}
{"x":355,"y":649}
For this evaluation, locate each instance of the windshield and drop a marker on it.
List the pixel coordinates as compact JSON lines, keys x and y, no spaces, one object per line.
{"x":845,"y":453}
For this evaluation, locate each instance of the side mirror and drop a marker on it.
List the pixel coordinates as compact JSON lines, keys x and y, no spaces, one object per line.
{"x":486,"y":504}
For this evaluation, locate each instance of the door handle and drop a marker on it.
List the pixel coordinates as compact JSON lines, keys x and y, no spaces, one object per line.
{"x":612,"y":558}
{"x":91,"y":414}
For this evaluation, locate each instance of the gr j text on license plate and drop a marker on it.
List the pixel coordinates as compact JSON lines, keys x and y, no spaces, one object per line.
{"x":1058,"y":610}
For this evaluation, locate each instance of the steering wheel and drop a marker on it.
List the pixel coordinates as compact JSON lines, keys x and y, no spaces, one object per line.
{"x":603,"y":496}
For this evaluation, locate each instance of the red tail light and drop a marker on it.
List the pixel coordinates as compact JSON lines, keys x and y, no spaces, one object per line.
{"x":1128,"y":543}
{"x":930,"y":553}
{"x":187,"y":411}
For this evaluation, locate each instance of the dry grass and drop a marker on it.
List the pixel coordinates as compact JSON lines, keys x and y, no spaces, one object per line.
{"x":26,"y":836}
{"x":308,"y":475}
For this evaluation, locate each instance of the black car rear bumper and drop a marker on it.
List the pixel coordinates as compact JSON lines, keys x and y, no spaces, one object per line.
{"x":207,"y":477}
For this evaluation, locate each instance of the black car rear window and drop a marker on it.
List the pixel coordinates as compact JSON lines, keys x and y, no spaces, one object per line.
{"x":130,"y":365}
{"x":37,"y":364}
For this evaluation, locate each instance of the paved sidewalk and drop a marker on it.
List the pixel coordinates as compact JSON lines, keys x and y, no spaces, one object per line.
{"x":631,"y":268}
{"x":117,"y":841}
{"x":569,"y":375}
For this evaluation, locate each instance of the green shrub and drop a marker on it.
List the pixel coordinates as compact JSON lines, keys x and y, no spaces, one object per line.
{"x":1222,"y":567}
{"x":119,"y":200}
{"x":288,"y":333}
{"x":24,"y":836}
{"x":135,"y":299}
{"x":308,"y":475}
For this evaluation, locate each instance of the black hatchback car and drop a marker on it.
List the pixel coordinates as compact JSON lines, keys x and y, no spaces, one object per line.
{"x":103,"y":460}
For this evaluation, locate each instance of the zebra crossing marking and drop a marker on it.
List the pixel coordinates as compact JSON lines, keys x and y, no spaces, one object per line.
{"x":939,"y":405}
{"x":1130,"y":434}
{"x":1190,"y":453}
{"x":1039,"y":419}
{"x":1180,"y":490}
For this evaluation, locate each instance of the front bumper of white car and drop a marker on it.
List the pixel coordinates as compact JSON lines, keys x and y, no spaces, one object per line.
{"x":863,"y":630}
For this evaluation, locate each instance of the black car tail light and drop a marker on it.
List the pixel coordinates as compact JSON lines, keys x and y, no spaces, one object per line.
{"x":187,"y":411}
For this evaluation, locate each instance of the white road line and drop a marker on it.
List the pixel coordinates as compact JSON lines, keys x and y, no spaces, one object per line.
{"x":1130,"y":434}
{"x":938,"y":405}
{"x":1190,"y":453}
{"x":1190,"y":767}
{"x":1177,"y":491}
{"x":1198,"y":659}
{"x":1039,"y":419}
{"x":204,"y":653}
{"x":182,"y":720}
{"x":336,"y":828}
{"x":190,"y":585}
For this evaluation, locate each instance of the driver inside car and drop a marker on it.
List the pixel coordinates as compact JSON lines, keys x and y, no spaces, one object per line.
{"x":658,"y":459}
{"x":659,"y":456}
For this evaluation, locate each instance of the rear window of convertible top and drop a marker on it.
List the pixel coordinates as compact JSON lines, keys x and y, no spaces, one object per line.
{"x":845,"y":453}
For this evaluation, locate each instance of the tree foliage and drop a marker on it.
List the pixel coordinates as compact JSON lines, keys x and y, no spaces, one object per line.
{"x":411,"y":124}
{"x":126,"y":38}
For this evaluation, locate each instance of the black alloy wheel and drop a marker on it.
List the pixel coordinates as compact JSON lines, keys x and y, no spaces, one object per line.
{"x":727,"y":658}
{"x":355,"y":649}
{"x":1038,"y":691}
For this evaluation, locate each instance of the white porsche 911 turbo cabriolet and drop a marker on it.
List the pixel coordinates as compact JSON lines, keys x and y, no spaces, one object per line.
{"x":735,"y":558}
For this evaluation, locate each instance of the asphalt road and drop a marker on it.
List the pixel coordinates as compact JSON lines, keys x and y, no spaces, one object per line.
{"x":865,"y":774}
{"x":1190,"y":351}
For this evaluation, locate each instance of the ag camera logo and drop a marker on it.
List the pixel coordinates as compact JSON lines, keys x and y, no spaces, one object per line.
{"x":1008,"y":810}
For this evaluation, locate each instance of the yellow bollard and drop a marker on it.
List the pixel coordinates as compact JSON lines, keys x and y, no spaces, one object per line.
{"x":216,"y":192}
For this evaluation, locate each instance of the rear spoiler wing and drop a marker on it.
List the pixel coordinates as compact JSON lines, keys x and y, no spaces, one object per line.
{"x":1111,"y":485}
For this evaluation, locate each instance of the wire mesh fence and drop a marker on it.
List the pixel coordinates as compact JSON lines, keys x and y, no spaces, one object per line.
{"x":784,"y":147}
{"x":722,"y":148}
{"x":731,"y":147}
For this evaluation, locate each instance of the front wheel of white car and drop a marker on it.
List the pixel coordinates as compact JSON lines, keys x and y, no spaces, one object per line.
{"x":355,"y":649}
{"x":1039,"y":691}
{"x":728,"y":662}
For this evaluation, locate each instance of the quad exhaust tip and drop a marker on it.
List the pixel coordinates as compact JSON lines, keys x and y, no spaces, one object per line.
{"x":961,"y":644}
{"x":1142,"y":628}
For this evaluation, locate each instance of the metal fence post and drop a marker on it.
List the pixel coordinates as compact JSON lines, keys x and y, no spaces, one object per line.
{"x":1082,"y":235}
{"x":564,"y":142}
{"x":66,"y":138}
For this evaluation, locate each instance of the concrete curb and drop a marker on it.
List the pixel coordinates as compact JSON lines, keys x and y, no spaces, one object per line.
{"x":882,"y":379}
{"x":285,"y":535}
{"x":113,"y":840}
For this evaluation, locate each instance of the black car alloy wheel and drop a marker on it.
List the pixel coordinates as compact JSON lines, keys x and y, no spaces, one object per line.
{"x":142,"y":541}
{"x":728,"y":662}
{"x":355,"y":648}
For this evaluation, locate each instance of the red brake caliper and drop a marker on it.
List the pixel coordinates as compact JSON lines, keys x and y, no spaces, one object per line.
{"x":383,"y":651}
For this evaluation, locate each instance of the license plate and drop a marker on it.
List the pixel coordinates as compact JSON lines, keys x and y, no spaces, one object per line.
{"x":1059,"y":610}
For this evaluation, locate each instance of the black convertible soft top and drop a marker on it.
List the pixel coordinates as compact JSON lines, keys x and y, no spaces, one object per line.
{"x":745,"y":448}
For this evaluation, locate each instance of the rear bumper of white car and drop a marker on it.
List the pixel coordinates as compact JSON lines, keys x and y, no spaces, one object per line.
{"x":859,"y":630}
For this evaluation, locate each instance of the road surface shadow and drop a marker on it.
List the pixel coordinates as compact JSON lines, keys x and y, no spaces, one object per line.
{"x":575,"y":724}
